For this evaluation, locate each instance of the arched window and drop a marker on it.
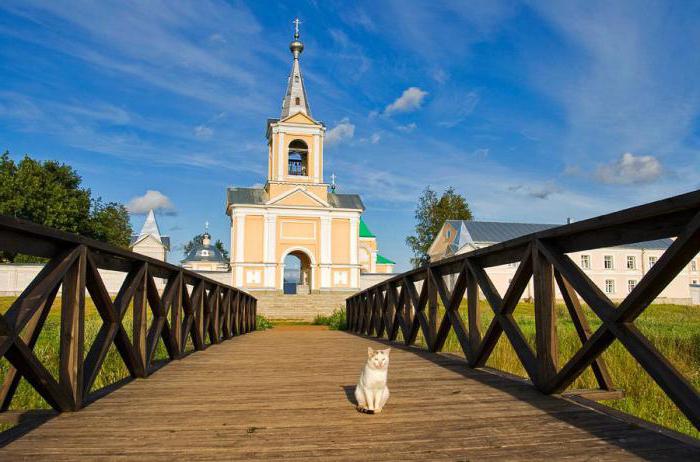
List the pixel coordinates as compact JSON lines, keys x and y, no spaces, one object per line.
{"x":297,"y":101}
{"x":298,"y":158}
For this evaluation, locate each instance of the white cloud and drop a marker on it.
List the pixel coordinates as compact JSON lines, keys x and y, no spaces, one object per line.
{"x":155,"y":200}
{"x":343,"y":131}
{"x":456,"y":107}
{"x":407,"y":128}
{"x":410,"y":100}
{"x":630,"y":169}
{"x":374,"y":139}
{"x":203,"y":132}
{"x":538,"y":191}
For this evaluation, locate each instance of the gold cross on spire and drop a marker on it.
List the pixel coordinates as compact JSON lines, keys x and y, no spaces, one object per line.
{"x":296,"y":27}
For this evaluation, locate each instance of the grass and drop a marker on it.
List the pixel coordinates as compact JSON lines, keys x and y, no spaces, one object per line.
{"x":335,"y":321}
{"x":262,"y":323}
{"x":673,"y":329}
{"x":47,"y":351}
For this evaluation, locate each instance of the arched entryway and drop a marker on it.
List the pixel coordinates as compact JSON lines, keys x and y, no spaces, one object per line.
{"x":297,"y":273}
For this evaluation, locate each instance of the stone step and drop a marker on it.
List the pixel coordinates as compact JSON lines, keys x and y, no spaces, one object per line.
{"x":302,"y":307}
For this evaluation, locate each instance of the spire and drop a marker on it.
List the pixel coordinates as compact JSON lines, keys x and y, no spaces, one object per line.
{"x":150,"y":226}
{"x":295,"y":99}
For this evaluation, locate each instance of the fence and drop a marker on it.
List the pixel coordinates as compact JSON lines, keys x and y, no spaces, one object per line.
{"x":398,"y":305}
{"x":189,"y":307}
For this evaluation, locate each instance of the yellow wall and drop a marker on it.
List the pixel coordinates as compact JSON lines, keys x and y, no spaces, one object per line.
{"x":253,"y":239}
{"x":340,"y":247}
{"x":298,"y":232}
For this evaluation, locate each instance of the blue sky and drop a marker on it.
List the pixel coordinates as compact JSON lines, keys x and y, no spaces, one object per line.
{"x":535,"y":111}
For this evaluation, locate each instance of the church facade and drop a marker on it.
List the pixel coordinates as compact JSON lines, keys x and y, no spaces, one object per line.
{"x":296,"y":212}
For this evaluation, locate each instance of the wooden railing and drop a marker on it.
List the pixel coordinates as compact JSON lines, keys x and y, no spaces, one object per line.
{"x":397,"y":304}
{"x":206,"y":312}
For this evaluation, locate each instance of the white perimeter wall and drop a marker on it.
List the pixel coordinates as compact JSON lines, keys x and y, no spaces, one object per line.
{"x":14,"y":278}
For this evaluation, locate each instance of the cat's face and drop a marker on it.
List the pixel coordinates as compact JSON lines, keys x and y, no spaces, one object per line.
{"x":378,"y":359}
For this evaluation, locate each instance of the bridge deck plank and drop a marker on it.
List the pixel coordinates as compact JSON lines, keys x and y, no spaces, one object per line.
{"x":284,"y":393}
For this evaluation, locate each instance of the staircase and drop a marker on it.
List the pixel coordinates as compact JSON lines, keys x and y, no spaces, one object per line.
{"x":302,"y":307}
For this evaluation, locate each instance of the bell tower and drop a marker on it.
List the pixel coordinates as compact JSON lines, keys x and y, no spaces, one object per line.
{"x":295,"y":140}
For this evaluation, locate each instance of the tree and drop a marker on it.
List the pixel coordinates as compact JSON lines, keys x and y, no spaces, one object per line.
{"x":197,"y":240}
{"x":431,"y":214}
{"x":49,"y":193}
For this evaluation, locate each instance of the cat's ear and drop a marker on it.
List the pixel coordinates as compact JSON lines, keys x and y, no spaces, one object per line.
{"x":370,"y":352}
{"x":387,"y":351}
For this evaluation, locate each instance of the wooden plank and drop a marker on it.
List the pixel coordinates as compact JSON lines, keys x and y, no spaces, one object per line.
{"x":218,"y":413}
{"x":583,"y":330}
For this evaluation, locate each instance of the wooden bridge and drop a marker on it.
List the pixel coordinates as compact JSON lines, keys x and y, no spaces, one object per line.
{"x":287,"y":392}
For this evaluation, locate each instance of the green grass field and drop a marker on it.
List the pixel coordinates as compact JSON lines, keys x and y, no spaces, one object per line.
{"x":673,"y":329}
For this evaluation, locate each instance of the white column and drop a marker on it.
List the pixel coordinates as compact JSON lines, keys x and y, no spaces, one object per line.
{"x":269,"y":254}
{"x":280,"y":157}
{"x":317,"y":159}
{"x":325,"y":258}
{"x":373,"y":262}
{"x":354,"y":239}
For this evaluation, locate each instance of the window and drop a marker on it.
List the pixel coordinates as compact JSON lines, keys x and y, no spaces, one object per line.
{"x":586,"y":261}
{"x":693,"y":265}
{"x":298,"y":158}
{"x":631,"y":284}
{"x":652,"y":261}
{"x":609,"y":286}
{"x":448,"y":234}
{"x":205,"y":253}
{"x":297,"y":101}
{"x":631,"y":262}
{"x":608,"y":262}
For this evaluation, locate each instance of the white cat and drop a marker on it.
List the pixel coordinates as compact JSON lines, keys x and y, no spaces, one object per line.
{"x":371,"y":391}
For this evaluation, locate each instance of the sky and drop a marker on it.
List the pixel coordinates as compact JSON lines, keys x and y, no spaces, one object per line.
{"x":534,"y":111}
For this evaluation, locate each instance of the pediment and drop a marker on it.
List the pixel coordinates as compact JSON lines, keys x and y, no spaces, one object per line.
{"x":300,"y":118}
{"x":298,"y":197}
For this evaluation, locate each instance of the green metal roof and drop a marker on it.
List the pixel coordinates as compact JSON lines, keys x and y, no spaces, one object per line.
{"x":364,"y":230}
{"x":383,"y":260}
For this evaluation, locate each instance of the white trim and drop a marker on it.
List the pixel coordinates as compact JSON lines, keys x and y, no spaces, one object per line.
{"x":280,"y":157}
{"x":298,"y":248}
{"x":301,"y":189}
{"x":297,"y":210}
{"x":284,"y":236}
{"x":317,"y":159}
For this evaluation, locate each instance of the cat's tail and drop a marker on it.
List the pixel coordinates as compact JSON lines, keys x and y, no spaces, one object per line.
{"x":364,"y":410}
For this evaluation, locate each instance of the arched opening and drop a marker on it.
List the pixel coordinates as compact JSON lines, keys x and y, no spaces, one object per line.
{"x":297,"y":273}
{"x":298,"y":158}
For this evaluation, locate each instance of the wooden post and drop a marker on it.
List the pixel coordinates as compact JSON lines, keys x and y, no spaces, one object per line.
{"x":140,"y":324}
{"x":175,"y":316}
{"x":432,"y":309}
{"x":473,"y":312}
{"x":73,"y":332}
{"x":545,"y":320}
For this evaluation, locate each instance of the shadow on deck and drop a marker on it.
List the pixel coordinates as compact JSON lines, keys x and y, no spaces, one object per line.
{"x":287,"y":393}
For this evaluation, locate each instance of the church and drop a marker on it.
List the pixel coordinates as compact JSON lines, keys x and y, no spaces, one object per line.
{"x":297,"y":213}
